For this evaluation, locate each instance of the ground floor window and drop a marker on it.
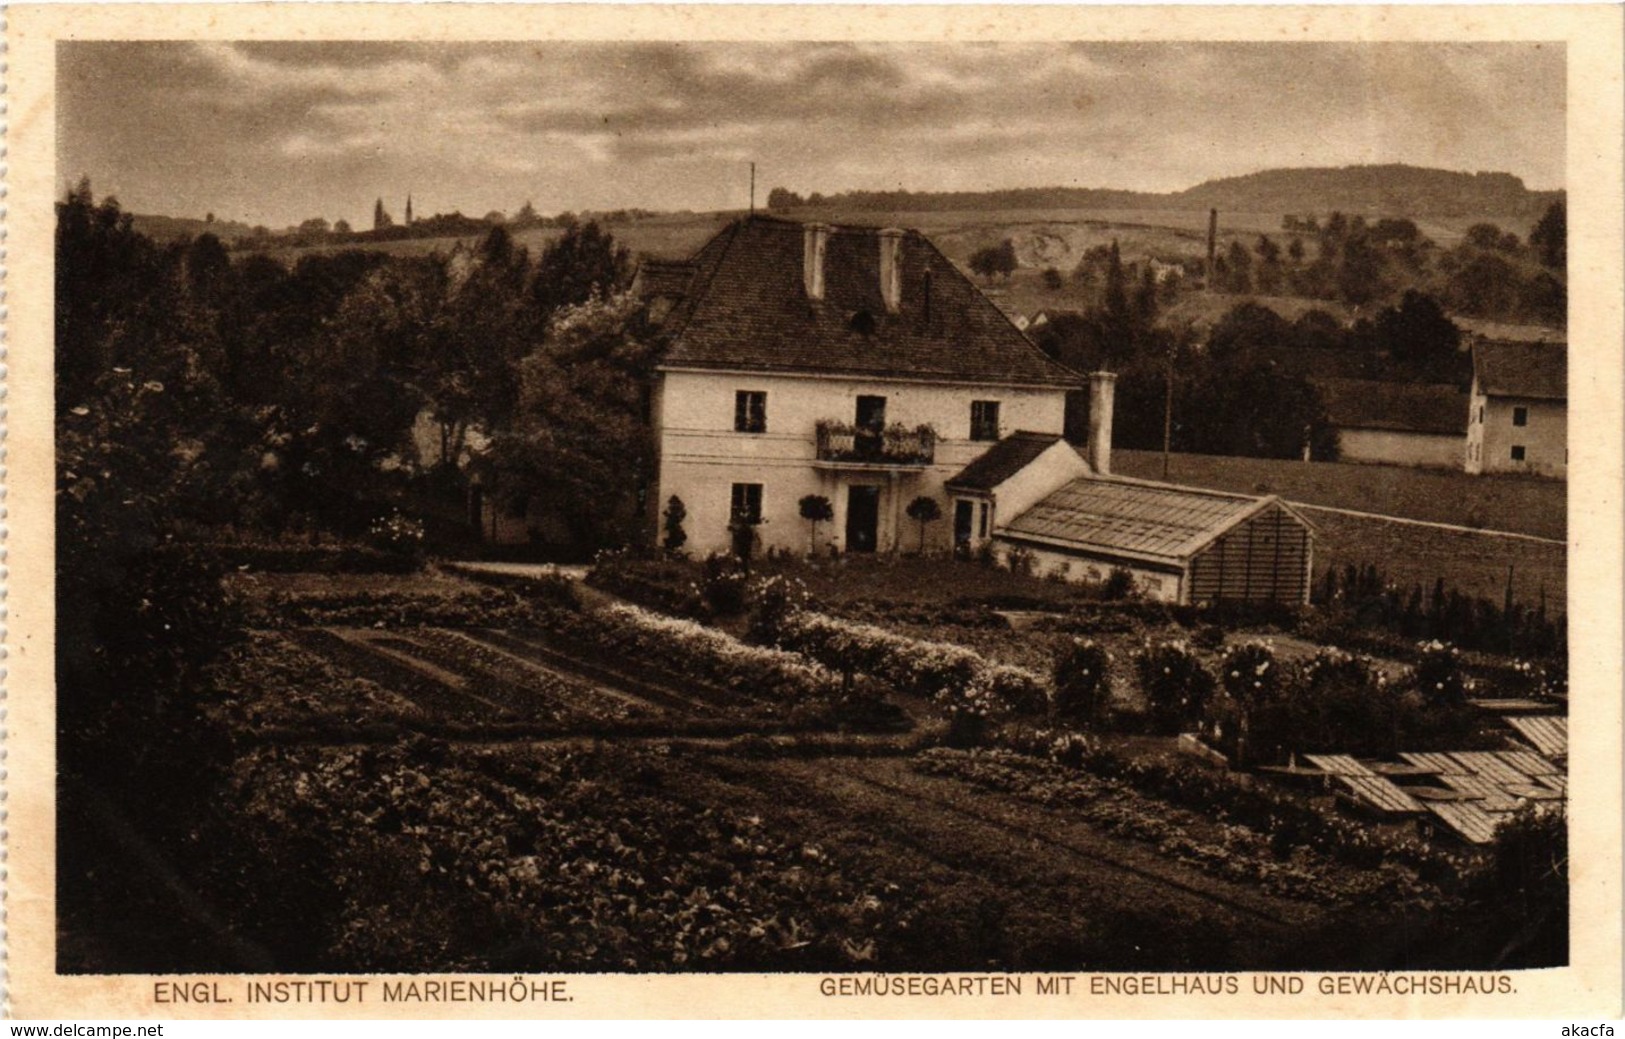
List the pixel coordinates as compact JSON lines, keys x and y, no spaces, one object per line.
{"x":1517,"y":452}
{"x":747,"y":503}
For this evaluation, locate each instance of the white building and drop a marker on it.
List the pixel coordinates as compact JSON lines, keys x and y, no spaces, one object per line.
{"x":854,"y":364}
{"x":1517,"y":420}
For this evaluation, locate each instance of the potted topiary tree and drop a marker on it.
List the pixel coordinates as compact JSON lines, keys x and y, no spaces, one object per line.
{"x":815,"y":509}
{"x":923,"y":510}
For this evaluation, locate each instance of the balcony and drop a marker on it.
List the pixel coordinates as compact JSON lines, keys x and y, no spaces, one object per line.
{"x":895,"y":446}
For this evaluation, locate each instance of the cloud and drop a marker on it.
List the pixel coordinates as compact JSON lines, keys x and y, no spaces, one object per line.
{"x":277,"y":131}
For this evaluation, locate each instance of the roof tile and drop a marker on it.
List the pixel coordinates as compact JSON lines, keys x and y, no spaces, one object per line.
{"x":747,"y":307}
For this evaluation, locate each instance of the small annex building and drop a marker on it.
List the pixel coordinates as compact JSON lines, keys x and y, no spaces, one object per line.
{"x":1034,"y":495}
{"x":1181,"y":544}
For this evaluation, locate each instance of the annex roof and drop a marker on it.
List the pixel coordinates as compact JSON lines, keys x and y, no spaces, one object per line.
{"x":1002,"y":461}
{"x":1114,"y":515}
{"x":1538,"y":371}
{"x":1433,"y":408}
{"x":746,"y":307}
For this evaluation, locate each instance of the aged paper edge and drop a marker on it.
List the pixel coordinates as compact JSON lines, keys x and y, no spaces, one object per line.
{"x":1592,"y":35}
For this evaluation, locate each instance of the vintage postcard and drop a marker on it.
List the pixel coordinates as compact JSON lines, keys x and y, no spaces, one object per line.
{"x":572,"y":512}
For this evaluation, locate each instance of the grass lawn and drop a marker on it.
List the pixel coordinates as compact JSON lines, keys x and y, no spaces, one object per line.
{"x":1524,"y":505}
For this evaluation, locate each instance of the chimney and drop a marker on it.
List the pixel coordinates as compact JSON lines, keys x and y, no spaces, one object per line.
{"x":891,"y":268}
{"x":815,"y":237}
{"x":1102,"y":391}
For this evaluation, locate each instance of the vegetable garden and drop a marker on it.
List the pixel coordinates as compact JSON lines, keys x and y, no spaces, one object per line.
{"x":428,"y":773}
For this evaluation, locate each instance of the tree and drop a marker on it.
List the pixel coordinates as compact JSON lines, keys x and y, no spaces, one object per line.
{"x":1484,"y":236}
{"x":672,"y":521}
{"x":815,"y":509}
{"x":582,"y":262}
{"x":1419,"y":336}
{"x":923,"y":510}
{"x":580,"y":440}
{"x":380,"y":217}
{"x":1052,"y":279}
{"x":341,"y":227}
{"x":1550,"y":237}
{"x":995,"y":259}
{"x":1238,"y":266}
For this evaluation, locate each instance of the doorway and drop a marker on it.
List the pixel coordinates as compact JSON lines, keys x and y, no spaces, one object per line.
{"x":862,"y":517}
{"x":964,"y":518}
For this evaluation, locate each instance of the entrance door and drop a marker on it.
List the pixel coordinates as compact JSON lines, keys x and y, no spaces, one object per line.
{"x":862,"y":517}
{"x":964,"y":519}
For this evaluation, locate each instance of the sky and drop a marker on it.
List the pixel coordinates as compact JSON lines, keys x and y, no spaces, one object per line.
{"x":276,"y":132}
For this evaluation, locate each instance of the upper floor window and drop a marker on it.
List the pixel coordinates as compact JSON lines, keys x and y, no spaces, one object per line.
{"x":984,"y":420}
{"x":746,"y":506}
{"x":1481,"y":414}
{"x":871,"y":412}
{"x":750,"y":411}
{"x":1520,"y":416}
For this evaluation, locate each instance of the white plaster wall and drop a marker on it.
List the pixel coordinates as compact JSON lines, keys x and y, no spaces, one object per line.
{"x":1058,"y":466}
{"x":701,"y":456}
{"x":1392,"y":447}
{"x":1544,"y":438}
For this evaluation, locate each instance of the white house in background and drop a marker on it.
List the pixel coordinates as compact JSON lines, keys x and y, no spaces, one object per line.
{"x":853,"y":363}
{"x":1517,"y":419}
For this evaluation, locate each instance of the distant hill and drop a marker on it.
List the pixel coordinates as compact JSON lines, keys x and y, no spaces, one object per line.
{"x":1392,"y":190}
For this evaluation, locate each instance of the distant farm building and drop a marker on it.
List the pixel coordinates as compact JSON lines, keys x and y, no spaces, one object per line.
{"x":1518,"y":412}
{"x":1395,"y":423}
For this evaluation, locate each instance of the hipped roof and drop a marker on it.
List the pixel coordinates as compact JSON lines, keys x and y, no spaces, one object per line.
{"x":746,"y":307}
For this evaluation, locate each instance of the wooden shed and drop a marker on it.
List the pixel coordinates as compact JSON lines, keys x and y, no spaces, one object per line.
{"x":1181,"y":544}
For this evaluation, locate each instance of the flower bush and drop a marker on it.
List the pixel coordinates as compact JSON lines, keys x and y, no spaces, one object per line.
{"x":1438,"y":675}
{"x":396,"y":534}
{"x":723,"y":581}
{"x":1083,"y":682}
{"x":1250,"y":674}
{"x":1176,"y":684}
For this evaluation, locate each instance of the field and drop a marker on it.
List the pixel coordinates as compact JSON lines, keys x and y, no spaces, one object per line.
{"x":427,"y":773}
{"x":1409,"y":554}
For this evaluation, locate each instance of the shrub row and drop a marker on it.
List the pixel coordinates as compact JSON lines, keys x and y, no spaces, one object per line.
{"x":704,"y":653}
{"x":958,"y":676}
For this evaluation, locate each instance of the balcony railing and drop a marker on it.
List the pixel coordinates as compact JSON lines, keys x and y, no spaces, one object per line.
{"x":895,"y":444}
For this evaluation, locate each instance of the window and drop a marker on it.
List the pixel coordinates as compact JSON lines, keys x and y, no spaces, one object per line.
{"x":871,"y":413}
{"x":747,"y":503}
{"x":750,"y":411}
{"x":1520,"y":416}
{"x":1517,"y":452}
{"x":1481,"y":414}
{"x":984,"y":420}
{"x":981,"y":524}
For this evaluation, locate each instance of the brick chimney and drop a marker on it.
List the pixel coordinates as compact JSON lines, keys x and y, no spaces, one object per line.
{"x":815,"y":239}
{"x":891,"y":268}
{"x":1102,"y":393}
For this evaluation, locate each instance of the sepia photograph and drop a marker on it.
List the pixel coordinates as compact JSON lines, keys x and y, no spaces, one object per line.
{"x":913,"y":513}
